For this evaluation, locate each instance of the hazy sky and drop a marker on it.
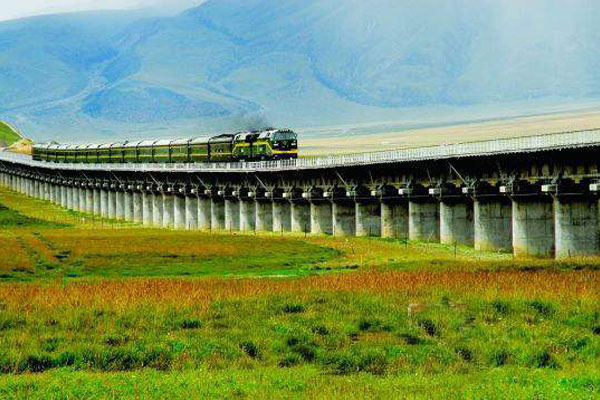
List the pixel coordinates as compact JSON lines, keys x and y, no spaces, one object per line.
{"x":11,"y":9}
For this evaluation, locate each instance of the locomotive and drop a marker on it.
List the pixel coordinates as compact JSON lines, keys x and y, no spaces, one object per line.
{"x":267,"y":144}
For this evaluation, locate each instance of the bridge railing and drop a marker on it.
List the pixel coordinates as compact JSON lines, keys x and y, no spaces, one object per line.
{"x":523,"y":144}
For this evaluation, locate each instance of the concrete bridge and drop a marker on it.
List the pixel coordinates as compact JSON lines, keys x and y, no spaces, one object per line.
{"x":535,"y":196}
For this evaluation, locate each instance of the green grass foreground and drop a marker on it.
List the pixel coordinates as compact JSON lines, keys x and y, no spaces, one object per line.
{"x":89,"y":310}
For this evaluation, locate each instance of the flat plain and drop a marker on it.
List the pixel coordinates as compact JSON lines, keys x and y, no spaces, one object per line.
{"x":92,"y":309}
{"x":355,"y":139}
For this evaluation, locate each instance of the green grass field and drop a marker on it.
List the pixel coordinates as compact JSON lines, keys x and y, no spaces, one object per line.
{"x":7,"y":135}
{"x":91,"y":310}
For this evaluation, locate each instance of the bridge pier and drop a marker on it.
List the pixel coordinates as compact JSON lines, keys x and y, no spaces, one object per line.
{"x":232,"y":214}
{"x":157,"y":210}
{"x":368,"y":218}
{"x":179,"y":211}
{"x":424,"y":220}
{"x":217,"y":213}
{"x":204,"y":213}
{"x":104,"y":203}
{"x":82,"y":199}
{"x":120,"y":204}
{"x":191,"y":212}
{"x":89,"y":200}
{"x":168,"y":217}
{"x":127,"y":205}
{"x":112,"y":204}
{"x":321,"y":219}
{"x":300,"y":216}
{"x":576,"y":227}
{"x":147,"y":212}
{"x":493,"y":224}
{"x":138,"y":209}
{"x":247,"y":215}
{"x":533,"y":227}
{"x":64,"y":193}
{"x":282,"y":216}
{"x":97,"y":202}
{"x":264,"y":215}
{"x":344,"y":218}
{"x":73,"y":198}
{"x":394,"y":219}
{"x":456,"y":222}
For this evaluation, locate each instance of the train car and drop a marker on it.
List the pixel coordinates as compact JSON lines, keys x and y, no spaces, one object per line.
{"x":268,"y":144}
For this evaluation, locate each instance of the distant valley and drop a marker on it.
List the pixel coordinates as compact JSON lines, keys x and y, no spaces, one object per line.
{"x":306,"y":64}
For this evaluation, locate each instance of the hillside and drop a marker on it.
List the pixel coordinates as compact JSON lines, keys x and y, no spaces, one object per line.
{"x":7,"y":135}
{"x":228,"y":64}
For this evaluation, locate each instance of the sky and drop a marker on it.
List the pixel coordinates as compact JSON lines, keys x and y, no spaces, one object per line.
{"x":12,"y":9}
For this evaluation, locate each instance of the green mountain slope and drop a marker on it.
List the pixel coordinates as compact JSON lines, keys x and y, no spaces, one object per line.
{"x":7,"y":135}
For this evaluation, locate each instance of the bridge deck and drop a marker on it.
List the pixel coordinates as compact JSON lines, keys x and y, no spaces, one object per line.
{"x":528,"y":144}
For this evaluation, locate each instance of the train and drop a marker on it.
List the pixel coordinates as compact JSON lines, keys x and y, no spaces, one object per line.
{"x":261,"y":145}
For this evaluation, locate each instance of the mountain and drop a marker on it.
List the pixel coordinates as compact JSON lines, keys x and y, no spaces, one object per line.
{"x":228,"y":64}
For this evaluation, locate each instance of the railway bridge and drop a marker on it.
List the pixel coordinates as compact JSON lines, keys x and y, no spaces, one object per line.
{"x":536,"y":196}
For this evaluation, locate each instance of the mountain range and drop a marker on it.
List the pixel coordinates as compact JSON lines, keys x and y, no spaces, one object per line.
{"x":233,"y":64}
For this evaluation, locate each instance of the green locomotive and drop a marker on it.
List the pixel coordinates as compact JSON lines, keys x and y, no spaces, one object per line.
{"x":268,"y":144}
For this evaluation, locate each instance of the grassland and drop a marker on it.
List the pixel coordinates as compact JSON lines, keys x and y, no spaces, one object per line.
{"x":92,"y":311}
{"x":7,"y":134}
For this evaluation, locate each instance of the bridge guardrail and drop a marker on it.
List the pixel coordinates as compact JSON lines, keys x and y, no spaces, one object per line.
{"x":525,"y":144}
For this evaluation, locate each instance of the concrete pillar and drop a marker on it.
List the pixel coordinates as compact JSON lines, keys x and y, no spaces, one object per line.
{"x":138,"y":210}
{"x":104,"y":203}
{"x":576,"y":227}
{"x":424,"y":221}
{"x":493,"y":224}
{"x":264,"y":215}
{"x":179,"y":212}
{"x":282,"y":216}
{"x":204,"y":213}
{"x":247,"y":215}
{"x":75,"y":199}
{"x":394,"y":220}
{"x":168,"y":218}
{"x":112,"y":204}
{"x":82,"y":199}
{"x":533,"y":227}
{"x":120,"y":205}
{"x":89,"y":200}
{"x":157,"y":210}
{"x":368,"y":219}
{"x":456,"y":222}
{"x":191,"y":212}
{"x":128,"y":206}
{"x":147,"y":214}
{"x":344,"y":218}
{"x":321,"y":220}
{"x":97,"y":202}
{"x":63,"y":196}
{"x":232,"y":214}
{"x":217,"y":213}
{"x":300,"y":217}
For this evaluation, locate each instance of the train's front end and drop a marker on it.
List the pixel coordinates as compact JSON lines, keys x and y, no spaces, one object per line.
{"x":285,"y":144}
